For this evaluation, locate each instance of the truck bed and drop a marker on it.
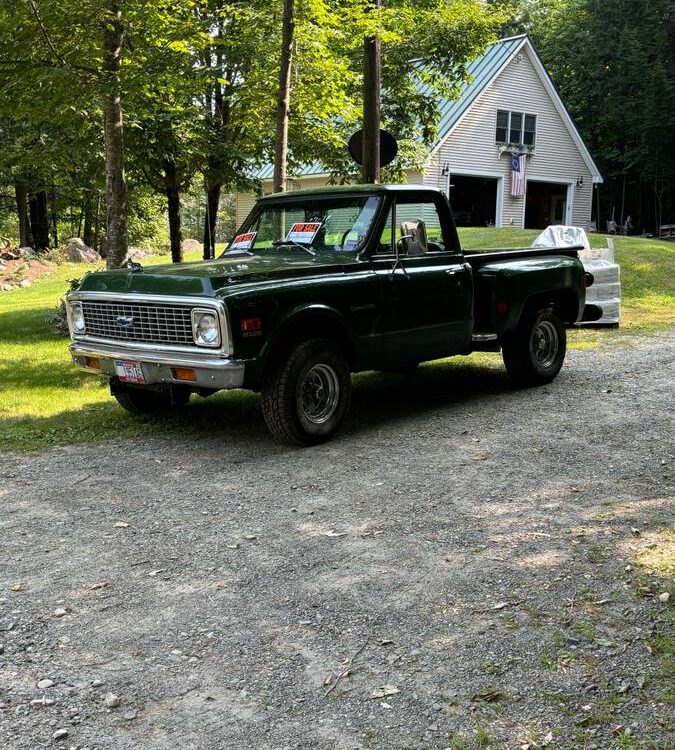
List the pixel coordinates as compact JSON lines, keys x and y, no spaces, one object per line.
{"x":480,"y":258}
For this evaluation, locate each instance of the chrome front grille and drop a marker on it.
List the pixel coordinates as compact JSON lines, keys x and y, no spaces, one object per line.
{"x":138,"y":321}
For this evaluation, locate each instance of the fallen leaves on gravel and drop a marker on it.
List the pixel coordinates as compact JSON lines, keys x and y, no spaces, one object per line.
{"x":121,"y":525}
{"x":384,"y":691}
{"x":532,"y":745}
{"x":497,"y":607}
{"x":489,"y":695}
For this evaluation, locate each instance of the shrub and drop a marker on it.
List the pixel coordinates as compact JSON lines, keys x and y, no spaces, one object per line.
{"x":57,"y":318}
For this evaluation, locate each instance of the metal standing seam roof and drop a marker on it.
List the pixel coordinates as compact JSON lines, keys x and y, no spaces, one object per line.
{"x":481,"y":71}
{"x":266,"y":172}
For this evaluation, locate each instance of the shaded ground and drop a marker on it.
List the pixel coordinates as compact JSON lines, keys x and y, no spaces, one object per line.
{"x":465,"y":566}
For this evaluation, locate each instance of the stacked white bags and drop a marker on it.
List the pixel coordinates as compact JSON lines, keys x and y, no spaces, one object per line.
{"x":605,"y":292}
{"x":606,"y":289}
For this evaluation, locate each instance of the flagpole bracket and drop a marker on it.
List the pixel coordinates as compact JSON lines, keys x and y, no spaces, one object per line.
{"x":515,"y":149}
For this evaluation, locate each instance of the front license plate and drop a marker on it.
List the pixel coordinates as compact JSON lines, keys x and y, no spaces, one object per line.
{"x":129,"y":372}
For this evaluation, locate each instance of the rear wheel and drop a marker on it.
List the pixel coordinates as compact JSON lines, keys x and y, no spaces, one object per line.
{"x":535,"y":351}
{"x":146,"y":401}
{"x":306,"y":395}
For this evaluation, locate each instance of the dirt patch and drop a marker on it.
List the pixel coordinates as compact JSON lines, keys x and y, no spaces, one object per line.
{"x":460,"y":568}
{"x":20,"y":272}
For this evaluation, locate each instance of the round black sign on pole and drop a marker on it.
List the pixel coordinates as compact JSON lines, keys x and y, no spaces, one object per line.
{"x":388,"y":147}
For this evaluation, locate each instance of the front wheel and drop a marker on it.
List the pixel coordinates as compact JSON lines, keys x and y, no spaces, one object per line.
{"x":534,"y":352}
{"x":306,"y":395}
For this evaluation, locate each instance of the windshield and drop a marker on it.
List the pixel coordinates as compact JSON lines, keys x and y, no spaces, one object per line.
{"x":328,"y":224}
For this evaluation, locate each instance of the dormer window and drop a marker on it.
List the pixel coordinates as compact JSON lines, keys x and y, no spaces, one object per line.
{"x":517,"y":128}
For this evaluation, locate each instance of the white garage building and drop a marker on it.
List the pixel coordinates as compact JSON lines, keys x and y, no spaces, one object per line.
{"x":507,"y":153}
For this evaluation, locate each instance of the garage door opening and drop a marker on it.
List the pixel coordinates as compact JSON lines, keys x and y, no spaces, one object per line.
{"x":473,"y":200}
{"x":545,"y":204}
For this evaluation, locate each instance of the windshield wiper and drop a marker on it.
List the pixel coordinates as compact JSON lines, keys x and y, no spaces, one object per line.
{"x":306,"y":248}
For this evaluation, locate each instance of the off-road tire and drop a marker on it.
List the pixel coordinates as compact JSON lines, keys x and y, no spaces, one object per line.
{"x":535,"y":351}
{"x":141,"y":401}
{"x":315,"y":371}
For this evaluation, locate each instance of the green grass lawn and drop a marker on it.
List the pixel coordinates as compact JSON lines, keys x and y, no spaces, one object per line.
{"x":45,"y":400}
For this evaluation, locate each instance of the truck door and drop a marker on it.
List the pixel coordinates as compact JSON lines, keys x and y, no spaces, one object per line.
{"x":426,"y":288}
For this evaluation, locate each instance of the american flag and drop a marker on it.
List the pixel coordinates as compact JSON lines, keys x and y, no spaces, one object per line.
{"x":518,"y":175}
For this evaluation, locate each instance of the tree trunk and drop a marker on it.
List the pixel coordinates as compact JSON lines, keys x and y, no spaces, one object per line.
{"x":88,"y":230}
{"x":39,"y":219}
{"x":117,"y":238}
{"x":598,"y":222}
{"x":54,"y":216}
{"x":212,"y":204}
{"x":372,"y":75}
{"x":173,"y":206}
{"x":97,"y":222}
{"x":284,"y":99}
{"x":21,"y":192}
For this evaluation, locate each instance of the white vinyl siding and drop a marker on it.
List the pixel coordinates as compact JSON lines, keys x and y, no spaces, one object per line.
{"x":244,"y":202}
{"x":470,"y":148}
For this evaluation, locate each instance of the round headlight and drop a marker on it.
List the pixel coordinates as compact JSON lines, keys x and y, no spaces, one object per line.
{"x":207,"y":329}
{"x":77,"y":318}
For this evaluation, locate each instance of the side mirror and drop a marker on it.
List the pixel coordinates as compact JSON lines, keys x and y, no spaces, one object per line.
{"x":414,"y":238}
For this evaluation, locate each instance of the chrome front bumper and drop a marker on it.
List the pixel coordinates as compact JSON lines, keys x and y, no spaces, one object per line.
{"x":210,"y":371}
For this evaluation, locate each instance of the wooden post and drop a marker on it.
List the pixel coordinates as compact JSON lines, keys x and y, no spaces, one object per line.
{"x":371,"y":106}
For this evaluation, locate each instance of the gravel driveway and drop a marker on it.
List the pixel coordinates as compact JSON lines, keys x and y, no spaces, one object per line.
{"x":459,"y":568}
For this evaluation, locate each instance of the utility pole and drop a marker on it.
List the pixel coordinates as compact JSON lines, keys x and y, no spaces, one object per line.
{"x":372,"y":73}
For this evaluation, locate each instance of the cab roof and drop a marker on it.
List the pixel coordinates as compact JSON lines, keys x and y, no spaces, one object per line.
{"x":352,"y":190}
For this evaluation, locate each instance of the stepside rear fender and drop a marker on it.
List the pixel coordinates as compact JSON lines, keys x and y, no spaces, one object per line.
{"x":508,"y":288}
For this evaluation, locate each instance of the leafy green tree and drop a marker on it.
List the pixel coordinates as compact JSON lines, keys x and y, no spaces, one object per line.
{"x":165,"y":133}
{"x":423,"y":41}
{"x":613,"y":62}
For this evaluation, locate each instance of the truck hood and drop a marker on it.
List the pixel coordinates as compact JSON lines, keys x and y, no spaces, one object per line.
{"x":209,"y":278}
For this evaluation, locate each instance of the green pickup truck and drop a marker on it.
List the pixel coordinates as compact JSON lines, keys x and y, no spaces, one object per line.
{"x":316,"y":285}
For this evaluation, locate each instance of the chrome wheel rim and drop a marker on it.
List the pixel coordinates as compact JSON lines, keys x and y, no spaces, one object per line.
{"x":545,"y":344}
{"x":318,"y":394}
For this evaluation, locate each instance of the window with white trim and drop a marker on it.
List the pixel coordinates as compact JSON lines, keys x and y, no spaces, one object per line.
{"x":515,"y":127}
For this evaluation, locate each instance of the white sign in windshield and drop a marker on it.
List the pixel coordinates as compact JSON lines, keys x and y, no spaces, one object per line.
{"x":303,"y":233}
{"x":243,"y":241}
